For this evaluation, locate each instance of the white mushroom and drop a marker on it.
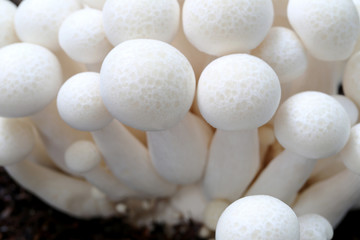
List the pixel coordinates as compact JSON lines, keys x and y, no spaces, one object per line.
{"x":315,"y":227}
{"x":223,"y":27}
{"x":310,"y":126}
{"x":351,"y":80}
{"x":7,"y":13}
{"x":258,"y":217}
{"x":213,"y":211}
{"x":236,"y":94}
{"x":97,"y":4}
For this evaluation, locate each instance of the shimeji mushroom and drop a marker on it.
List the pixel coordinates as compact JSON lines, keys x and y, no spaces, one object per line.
{"x":236,"y":94}
{"x":213,"y":211}
{"x":82,"y":36}
{"x":310,"y":126}
{"x":155,"y":19}
{"x":149,"y":85}
{"x":97,"y":4}
{"x":223,"y":27}
{"x":351,"y":80}
{"x":258,"y":217}
{"x":70,"y":195}
{"x":333,"y":197}
{"x":7,"y":13}
{"x":38,"y":21}
{"x":81,"y":106}
{"x":315,"y":227}
{"x":328,"y":28}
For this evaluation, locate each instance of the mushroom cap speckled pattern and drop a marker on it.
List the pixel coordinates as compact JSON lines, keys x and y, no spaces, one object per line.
{"x":7,"y":13}
{"x":312,"y":124}
{"x":147,"y":84}
{"x":82,"y":156}
{"x":30,"y":77}
{"x":219,"y":27}
{"x":258,"y":217}
{"x":128,"y":19}
{"x":238,"y":92}
{"x":80,"y":104}
{"x":315,"y":227}
{"x":328,"y":28}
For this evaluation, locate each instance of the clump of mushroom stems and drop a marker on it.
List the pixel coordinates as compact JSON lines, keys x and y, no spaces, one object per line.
{"x":176,"y":115}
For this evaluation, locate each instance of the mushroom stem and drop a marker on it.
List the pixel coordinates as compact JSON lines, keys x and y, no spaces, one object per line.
{"x":233,"y":163}
{"x":179,"y":154}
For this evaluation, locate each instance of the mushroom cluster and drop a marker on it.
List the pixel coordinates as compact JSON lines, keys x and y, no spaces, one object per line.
{"x":224,"y":112}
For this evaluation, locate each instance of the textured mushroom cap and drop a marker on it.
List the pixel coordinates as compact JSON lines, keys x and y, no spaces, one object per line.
{"x":155,"y":19}
{"x":7,"y":13}
{"x":147,"y":84}
{"x":328,"y":28}
{"x":238,"y":92}
{"x":30,"y":76}
{"x":82,"y":36}
{"x":224,"y":27}
{"x":349,"y":107}
{"x":315,"y":227}
{"x":258,"y":217}
{"x":80,"y":104}
{"x":98,"y":4}
{"x":16,"y":140}
{"x":351,"y":79}
{"x":82,"y":156}
{"x":351,"y":152}
{"x":312,"y":124}
{"x":284,"y":52}
{"x":38,"y":21}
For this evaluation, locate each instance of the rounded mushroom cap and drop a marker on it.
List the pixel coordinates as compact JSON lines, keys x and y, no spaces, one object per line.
{"x":238,"y":92}
{"x":351,"y":152}
{"x":315,"y":227}
{"x":82,"y":36}
{"x":284,"y":52}
{"x":312,"y":124}
{"x":38,"y":21}
{"x":80,"y":104}
{"x":351,"y":80}
{"x":154,"y":19}
{"x":147,"y":84}
{"x":328,"y":28}
{"x":82,"y":156}
{"x":258,"y":217}
{"x":349,"y":107}
{"x":30,"y":76}
{"x":224,"y":27}
{"x":7,"y":13}
{"x":16,"y":140}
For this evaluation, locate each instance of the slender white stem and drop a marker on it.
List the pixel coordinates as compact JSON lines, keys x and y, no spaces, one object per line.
{"x":233,"y":163}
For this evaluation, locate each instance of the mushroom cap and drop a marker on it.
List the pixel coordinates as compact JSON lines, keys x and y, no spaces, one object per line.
{"x":154,"y":19}
{"x":7,"y":13}
{"x":349,"y":107}
{"x":38,"y":21}
{"x":315,"y":227}
{"x":351,"y":152}
{"x":238,"y":92}
{"x":30,"y":76}
{"x":82,"y":36}
{"x":284,"y":52}
{"x":82,"y":156}
{"x":16,"y":140}
{"x":258,"y":217}
{"x":147,"y":84}
{"x":351,"y":80}
{"x":80,"y":104}
{"x":328,"y":28}
{"x":312,"y":124}
{"x":224,"y":27}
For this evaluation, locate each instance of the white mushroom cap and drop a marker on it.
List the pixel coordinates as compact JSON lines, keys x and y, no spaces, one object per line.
{"x":30,"y":76}
{"x":80,"y":104}
{"x":7,"y":13}
{"x":154,"y":19}
{"x":82,"y":36}
{"x":284,"y":52}
{"x":328,"y":28}
{"x":147,"y":84}
{"x":258,"y":217}
{"x":349,"y":107}
{"x":224,"y":27}
{"x":312,"y":124}
{"x":351,"y":152}
{"x":38,"y":21}
{"x":98,"y":4}
{"x":82,"y":156}
{"x":16,"y":140}
{"x":315,"y":227}
{"x":238,"y":92}
{"x":351,"y":79}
